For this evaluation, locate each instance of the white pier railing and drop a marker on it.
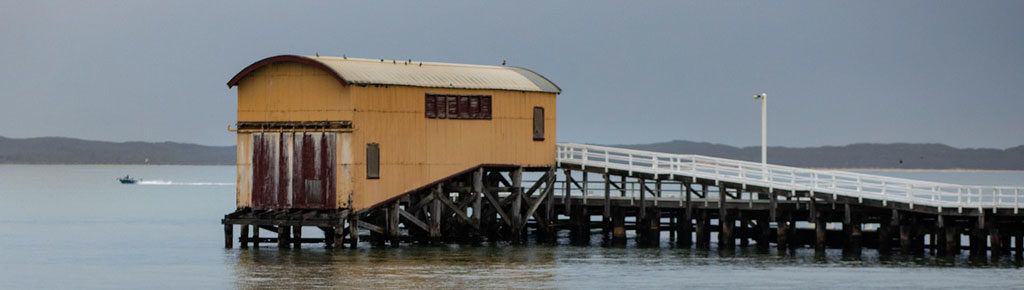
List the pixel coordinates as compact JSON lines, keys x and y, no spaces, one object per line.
{"x":842,"y":183}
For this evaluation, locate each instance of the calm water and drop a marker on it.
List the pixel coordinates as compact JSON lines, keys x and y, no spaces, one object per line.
{"x":76,"y":227}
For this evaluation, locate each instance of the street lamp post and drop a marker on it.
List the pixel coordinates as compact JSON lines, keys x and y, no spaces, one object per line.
{"x":764,"y":133}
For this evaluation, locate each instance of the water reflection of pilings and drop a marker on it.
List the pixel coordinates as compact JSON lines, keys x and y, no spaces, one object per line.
{"x":411,"y":267}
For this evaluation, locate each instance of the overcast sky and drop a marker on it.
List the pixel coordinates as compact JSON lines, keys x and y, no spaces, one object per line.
{"x":835,"y":72}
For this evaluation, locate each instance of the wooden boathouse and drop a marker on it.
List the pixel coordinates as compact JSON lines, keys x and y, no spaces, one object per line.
{"x":416,"y":152}
{"x":322,"y":139}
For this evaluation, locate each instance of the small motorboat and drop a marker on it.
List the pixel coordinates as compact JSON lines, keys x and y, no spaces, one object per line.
{"x":127,"y":179}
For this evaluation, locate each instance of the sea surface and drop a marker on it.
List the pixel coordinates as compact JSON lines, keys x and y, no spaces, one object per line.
{"x":76,"y":227}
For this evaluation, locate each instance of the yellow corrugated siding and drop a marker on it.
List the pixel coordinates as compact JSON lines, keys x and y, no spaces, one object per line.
{"x":292,"y":92}
{"x":243,"y":167}
{"x":416,"y":151}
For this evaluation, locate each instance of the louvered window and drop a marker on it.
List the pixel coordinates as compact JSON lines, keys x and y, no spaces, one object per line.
{"x":457,"y":107}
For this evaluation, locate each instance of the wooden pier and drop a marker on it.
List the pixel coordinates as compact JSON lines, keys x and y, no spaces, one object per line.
{"x":647,"y":197}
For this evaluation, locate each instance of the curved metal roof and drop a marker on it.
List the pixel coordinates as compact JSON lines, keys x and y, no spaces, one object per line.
{"x":414,"y":73}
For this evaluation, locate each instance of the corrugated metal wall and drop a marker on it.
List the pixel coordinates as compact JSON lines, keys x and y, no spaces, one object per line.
{"x":416,"y":150}
{"x":292,"y":92}
{"x":292,"y":170}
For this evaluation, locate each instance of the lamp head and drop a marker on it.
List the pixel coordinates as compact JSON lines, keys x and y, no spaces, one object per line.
{"x":760,"y":96}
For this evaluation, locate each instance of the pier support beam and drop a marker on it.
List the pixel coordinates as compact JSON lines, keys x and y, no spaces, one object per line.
{"x":726,"y":240}
{"x":764,"y":232}
{"x":518,"y":220}
{"x":684,"y":235}
{"x":684,"y":229}
{"x":229,"y":236}
{"x":784,"y":232}
{"x":329,"y":237}
{"x":907,"y":235}
{"x":255,"y":236}
{"x":996,"y":239}
{"x":743,"y":233}
{"x":820,"y":234}
{"x":703,"y":232}
{"x":606,"y":214}
{"x":353,"y":231}
{"x":978,"y":243}
{"x":283,"y":233}
{"x":296,"y":237}
{"x":952,"y":246}
{"x":580,"y":229}
{"x":649,"y":229}
{"x":884,"y":233}
{"x":618,"y":226}
{"x":1018,"y":242}
{"x":852,"y":228}
{"x":243,"y":236}
{"x":726,"y":234}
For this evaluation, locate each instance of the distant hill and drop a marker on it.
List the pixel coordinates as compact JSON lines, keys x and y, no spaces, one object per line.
{"x":59,"y":150}
{"x":888,"y":156}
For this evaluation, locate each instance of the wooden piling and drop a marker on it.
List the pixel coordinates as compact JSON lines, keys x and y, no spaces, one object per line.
{"x":686,"y":220}
{"x":243,"y":236}
{"x":764,"y":232}
{"x":939,"y":245}
{"x":296,"y":236}
{"x":618,"y":226}
{"x":518,"y":220}
{"x":580,"y":220}
{"x":329,"y":237}
{"x":852,"y":228}
{"x":906,"y":234}
{"x":952,"y":244}
{"x":649,"y":229}
{"x":996,"y":241}
{"x":820,"y":234}
{"x":228,"y":236}
{"x":884,"y":234}
{"x":392,"y":223}
{"x":743,"y":231}
{"x":1019,"y":245}
{"x":703,"y":233}
{"x":283,"y":232}
{"x":726,"y":226}
{"x":643,"y":205}
{"x":856,"y":238}
{"x":726,"y":240}
{"x":606,"y":214}
{"x":436,"y":215}
{"x":783,"y":232}
{"x":353,"y":231}
{"x":978,"y":243}
{"x":255,"y":236}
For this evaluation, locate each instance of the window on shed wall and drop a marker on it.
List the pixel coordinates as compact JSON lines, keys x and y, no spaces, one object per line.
{"x":457,"y":107}
{"x":485,"y":107}
{"x":538,"y":123}
{"x":372,"y":161}
{"x":431,"y":106}
{"x":464,"y":107}
{"x":453,"y":107}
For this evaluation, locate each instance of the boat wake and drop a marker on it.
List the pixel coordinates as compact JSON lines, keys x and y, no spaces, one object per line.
{"x":166,"y":182}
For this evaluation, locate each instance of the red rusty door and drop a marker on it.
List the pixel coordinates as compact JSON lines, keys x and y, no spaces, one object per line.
{"x":293,"y":170}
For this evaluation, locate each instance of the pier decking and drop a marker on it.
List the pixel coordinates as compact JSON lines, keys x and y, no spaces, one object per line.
{"x":687,"y":196}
